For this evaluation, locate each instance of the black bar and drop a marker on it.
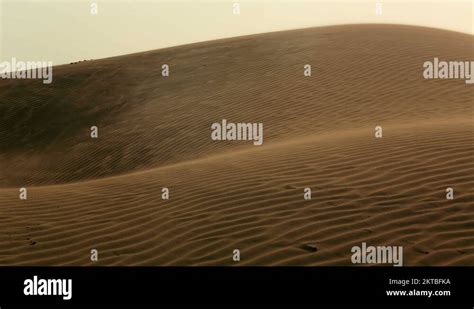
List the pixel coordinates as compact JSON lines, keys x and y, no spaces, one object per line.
{"x":238,"y":285}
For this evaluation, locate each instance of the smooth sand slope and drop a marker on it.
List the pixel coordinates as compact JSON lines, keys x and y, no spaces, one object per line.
{"x":154,"y":132}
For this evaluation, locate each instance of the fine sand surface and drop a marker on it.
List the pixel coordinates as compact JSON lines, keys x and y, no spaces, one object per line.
{"x":154,"y":132}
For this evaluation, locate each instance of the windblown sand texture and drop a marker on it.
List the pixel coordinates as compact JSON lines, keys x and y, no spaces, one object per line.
{"x":154,"y":132}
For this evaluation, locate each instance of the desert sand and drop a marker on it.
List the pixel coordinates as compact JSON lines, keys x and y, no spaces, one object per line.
{"x":154,"y":132}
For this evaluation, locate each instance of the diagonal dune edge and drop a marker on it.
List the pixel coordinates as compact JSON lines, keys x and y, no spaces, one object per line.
{"x":460,"y":122}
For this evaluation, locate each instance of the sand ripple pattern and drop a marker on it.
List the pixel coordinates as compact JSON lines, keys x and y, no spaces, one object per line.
{"x":155,"y":133}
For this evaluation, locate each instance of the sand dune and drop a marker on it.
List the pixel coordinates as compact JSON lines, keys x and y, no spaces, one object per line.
{"x":319,"y":132}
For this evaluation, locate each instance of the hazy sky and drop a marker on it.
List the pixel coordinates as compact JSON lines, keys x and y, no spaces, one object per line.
{"x":63,"y":31}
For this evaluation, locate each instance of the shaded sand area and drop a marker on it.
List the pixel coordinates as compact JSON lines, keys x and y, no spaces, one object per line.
{"x":154,"y":132}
